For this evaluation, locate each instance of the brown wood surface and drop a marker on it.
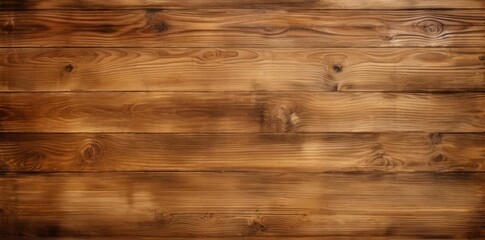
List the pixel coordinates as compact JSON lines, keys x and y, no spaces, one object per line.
{"x":241,"y":112}
{"x":247,"y":69}
{"x":243,"y":204}
{"x":247,"y":119}
{"x":243,"y":28}
{"x":396,"y":152}
{"x":228,"y":4}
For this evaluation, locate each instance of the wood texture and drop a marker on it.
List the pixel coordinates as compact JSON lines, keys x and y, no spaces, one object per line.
{"x":247,"y":119}
{"x":243,"y":28}
{"x":241,"y":112}
{"x":400,"y":152}
{"x":225,"y":4}
{"x":247,"y":69}
{"x":243,"y":204}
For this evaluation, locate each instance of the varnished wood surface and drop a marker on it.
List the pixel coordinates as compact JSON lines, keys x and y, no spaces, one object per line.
{"x":243,"y":28}
{"x":396,"y":152}
{"x":249,"y":119}
{"x":241,"y":112}
{"x":246,"y":69}
{"x":243,"y":204}
{"x":228,"y":4}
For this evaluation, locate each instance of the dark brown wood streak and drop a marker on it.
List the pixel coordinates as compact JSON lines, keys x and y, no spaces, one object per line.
{"x":243,"y":28}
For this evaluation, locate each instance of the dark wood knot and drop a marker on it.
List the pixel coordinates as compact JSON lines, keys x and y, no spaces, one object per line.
{"x":30,"y":161}
{"x":281,"y":119}
{"x":435,"y":138}
{"x":68,"y":68}
{"x":8,"y":26}
{"x":160,"y":27}
{"x":337,"y":68}
{"x":256,"y":226}
{"x":439,"y":158}
{"x":481,"y":58}
{"x":6,"y":113}
{"x":381,"y":162}
{"x":4,"y":165}
{"x":90,"y":152}
{"x":431,"y":27}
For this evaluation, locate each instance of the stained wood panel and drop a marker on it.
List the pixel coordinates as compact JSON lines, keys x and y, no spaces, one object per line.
{"x":246,"y":69}
{"x":241,"y":112}
{"x":243,"y":28}
{"x":243,"y":204}
{"x":228,"y":4}
{"x":399,"y":152}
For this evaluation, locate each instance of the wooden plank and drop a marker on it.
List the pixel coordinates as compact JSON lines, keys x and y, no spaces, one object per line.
{"x":243,"y":28}
{"x":248,"y":69}
{"x":243,"y":204}
{"x":401,"y":152}
{"x":241,"y":112}
{"x":265,"y":4}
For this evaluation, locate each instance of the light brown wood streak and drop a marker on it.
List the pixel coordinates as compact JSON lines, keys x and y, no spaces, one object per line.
{"x":400,"y":152}
{"x":265,"y":4}
{"x":243,"y":204}
{"x":241,"y":112}
{"x":249,"y":69}
{"x":243,"y":28}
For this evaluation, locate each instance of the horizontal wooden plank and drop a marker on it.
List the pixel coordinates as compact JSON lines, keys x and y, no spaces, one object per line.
{"x":265,"y":4}
{"x":243,"y":204}
{"x":400,"y":152}
{"x":243,"y":28}
{"x":250,"y":69}
{"x":241,"y":112}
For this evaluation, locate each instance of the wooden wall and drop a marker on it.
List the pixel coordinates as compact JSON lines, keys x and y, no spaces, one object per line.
{"x":226,"y":119}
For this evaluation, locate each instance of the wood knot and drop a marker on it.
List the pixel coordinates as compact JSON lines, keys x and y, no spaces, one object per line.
{"x":4,"y":165}
{"x":6,"y":113}
{"x":281,"y":119}
{"x":388,"y":38}
{"x":481,"y":58}
{"x":439,"y":158}
{"x":217,"y":54}
{"x":337,"y":68}
{"x":90,"y":152}
{"x":8,"y":26}
{"x":256,"y":227}
{"x":381,"y":162}
{"x":30,"y":161}
{"x":431,"y":27}
{"x":435,"y":138}
{"x":68,"y":68}
{"x":160,"y":27}
{"x":161,"y":219}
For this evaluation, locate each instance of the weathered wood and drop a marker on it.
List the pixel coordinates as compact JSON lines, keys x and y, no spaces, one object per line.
{"x":264,"y":4}
{"x":243,"y":28}
{"x":243,"y":204}
{"x":400,"y":152}
{"x":241,"y":112}
{"x":229,"y":69}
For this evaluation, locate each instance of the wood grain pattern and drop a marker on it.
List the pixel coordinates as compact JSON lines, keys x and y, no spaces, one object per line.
{"x":243,"y":204}
{"x":243,"y":28}
{"x":225,"y":4}
{"x":247,"y":69}
{"x":241,"y":112}
{"x":400,"y":152}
